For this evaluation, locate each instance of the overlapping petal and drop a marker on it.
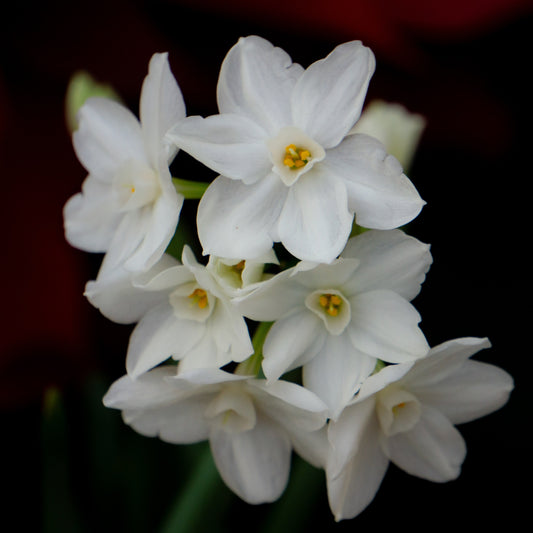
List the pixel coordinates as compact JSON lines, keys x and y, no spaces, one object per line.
{"x":358,"y":465}
{"x":109,"y":134}
{"x":232,"y":145}
{"x":256,"y":80}
{"x":328,"y":97}
{"x":315,"y":222}
{"x":390,"y":260}
{"x":433,"y":449}
{"x":385,"y":325}
{"x":239,"y":220}
{"x":381,"y":196}
{"x":161,"y":107}
{"x":336,"y":372}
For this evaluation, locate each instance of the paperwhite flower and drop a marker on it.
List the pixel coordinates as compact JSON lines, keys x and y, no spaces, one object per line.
{"x":239,"y":276}
{"x":128,"y":206}
{"x":289,"y":172}
{"x":336,"y":320}
{"x":252,"y":428}
{"x":406,"y":414}
{"x":194,"y":322}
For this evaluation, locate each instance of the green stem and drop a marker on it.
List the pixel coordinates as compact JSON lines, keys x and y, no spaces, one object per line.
{"x":205,"y":489}
{"x":191,"y":190}
{"x":252,"y":365}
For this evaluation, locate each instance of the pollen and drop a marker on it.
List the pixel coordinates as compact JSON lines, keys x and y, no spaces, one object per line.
{"x":331,"y":303}
{"x":296,"y":158}
{"x":199,"y":298}
{"x":397,"y":407}
{"x":239,"y":267}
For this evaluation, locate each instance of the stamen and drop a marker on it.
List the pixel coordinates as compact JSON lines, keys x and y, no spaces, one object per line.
{"x":239,"y":267}
{"x":199,"y":297}
{"x":331,"y":303}
{"x":296,"y":157}
{"x":397,"y":408}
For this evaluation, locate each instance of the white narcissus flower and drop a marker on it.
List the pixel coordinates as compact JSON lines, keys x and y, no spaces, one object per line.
{"x":290,"y":171}
{"x":128,"y":206}
{"x":239,"y":276}
{"x":252,"y":428}
{"x":406,"y":414}
{"x":182,"y":313}
{"x":336,"y":320}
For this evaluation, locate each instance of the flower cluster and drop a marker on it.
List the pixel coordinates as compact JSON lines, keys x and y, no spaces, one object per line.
{"x":297,"y":333}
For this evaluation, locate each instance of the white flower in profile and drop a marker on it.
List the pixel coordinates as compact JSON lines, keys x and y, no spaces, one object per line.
{"x":192,"y":319}
{"x":128,"y":206}
{"x":398,"y":129}
{"x":336,"y":320}
{"x":239,"y":276}
{"x":252,"y":428}
{"x":289,"y":171}
{"x":406,"y":414}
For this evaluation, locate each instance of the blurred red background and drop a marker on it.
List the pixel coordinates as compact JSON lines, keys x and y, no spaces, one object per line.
{"x":462,"y":64}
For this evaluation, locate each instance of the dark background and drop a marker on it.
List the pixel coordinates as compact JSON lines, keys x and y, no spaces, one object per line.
{"x":464,"y":65}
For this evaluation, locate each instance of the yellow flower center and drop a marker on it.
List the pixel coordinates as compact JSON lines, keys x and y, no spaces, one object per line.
{"x":331,"y":303}
{"x":199,"y":298}
{"x":296,"y":157}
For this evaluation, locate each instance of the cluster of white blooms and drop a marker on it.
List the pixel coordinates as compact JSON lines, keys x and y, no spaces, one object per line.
{"x":320,"y":353}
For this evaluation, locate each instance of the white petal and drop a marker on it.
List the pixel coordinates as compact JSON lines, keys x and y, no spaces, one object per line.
{"x":91,"y":217}
{"x":444,"y":360}
{"x":389,"y":260}
{"x":230,"y":332}
{"x":161,"y":106}
{"x":180,"y":423}
{"x":127,"y":237}
{"x":313,"y":446}
{"x":336,"y":372}
{"x":159,"y":230}
{"x":432,"y":450}
{"x":158,"y":336}
{"x":463,"y":390}
{"x":289,"y":404}
{"x":329,"y":96}
{"x":315,"y":222}
{"x":354,"y":481}
{"x":118,"y":299}
{"x":149,"y":391}
{"x":231,"y":145}
{"x":237,"y":220}
{"x":384,"y":325}
{"x":291,"y":342}
{"x":378,"y":381}
{"x":381,"y":196}
{"x":256,"y":80}
{"x":254,"y":464}
{"x":109,"y":134}
{"x":397,"y":128}
{"x":334,"y":275}
{"x":274,"y":298}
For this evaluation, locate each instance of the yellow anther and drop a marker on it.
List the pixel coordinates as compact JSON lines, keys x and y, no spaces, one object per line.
{"x":331,"y":303}
{"x":199,"y":297}
{"x":239,"y":267}
{"x":296,"y":157}
{"x":397,"y":407}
